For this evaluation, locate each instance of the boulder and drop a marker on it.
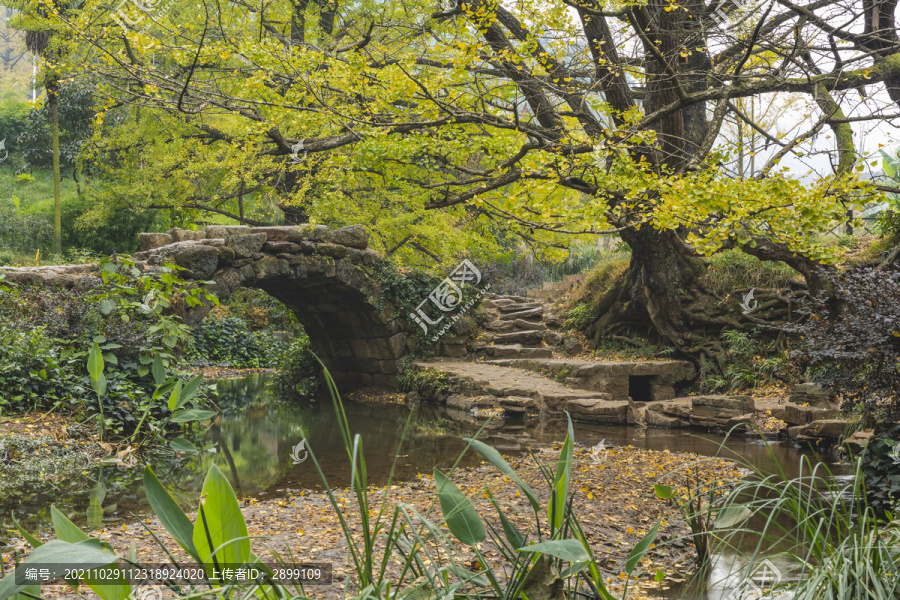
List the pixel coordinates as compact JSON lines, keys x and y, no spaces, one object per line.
{"x":149,"y":241}
{"x":200,"y":261}
{"x":353,"y":236}
{"x":246,"y":245}
{"x":857,"y":442}
{"x":214,"y":232}
{"x":572,"y":346}
{"x":186,"y":235}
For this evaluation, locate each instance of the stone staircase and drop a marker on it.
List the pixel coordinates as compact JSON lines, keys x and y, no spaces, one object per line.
{"x":553,"y":290}
{"x":522,"y":364}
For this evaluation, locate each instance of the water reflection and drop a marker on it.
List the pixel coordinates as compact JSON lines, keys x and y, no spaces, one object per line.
{"x":252,"y":441}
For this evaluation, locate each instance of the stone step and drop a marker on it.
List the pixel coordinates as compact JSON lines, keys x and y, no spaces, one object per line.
{"x":517,"y":351}
{"x":520,"y":306}
{"x":524,"y":314}
{"x":480,"y":385}
{"x":523,"y":324}
{"x":520,"y":337}
{"x":644,"y":381}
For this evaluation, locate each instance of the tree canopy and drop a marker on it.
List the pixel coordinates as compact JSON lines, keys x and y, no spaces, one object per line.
{"x":442,"y":125}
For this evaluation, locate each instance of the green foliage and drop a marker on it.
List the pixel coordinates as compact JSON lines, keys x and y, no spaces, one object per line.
{"x":297,"y":372}
{"x":749,"y":362}
{"x":427,"y":382}
{"x":76,"y":116}
{"x":24,"y":233}
{"x":733,"y":270}
{"x":582,"y":315}
{"x":881,"y":469}
{"x":258,"y":310}
{"x":230,"y":342}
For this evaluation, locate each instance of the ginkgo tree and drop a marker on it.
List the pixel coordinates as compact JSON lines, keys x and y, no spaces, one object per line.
{"x":547,"y":116}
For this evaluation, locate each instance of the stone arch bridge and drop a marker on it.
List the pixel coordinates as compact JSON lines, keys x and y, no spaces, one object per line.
{"x":327,"y":277}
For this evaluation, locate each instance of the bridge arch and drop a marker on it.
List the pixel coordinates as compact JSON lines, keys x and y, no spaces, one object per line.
{"x":328,"y":278}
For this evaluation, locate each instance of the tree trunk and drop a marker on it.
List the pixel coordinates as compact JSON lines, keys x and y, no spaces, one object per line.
{"x":653,"y":297}
{"x":53,"y":103}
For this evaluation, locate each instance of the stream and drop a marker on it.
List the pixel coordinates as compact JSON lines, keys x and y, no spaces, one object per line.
{"x":254,"y":439}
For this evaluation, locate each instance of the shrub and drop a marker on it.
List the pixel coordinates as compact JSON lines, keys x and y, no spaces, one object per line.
{"x":25,"y":233}
{"x":298,"y":371}
{"x":229,"y":341}
{"x":427,"y":382}
{"x":853,"y":340}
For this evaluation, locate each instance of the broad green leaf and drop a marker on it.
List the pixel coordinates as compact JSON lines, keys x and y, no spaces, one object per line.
{"x":190,"y":390}
{"x":28,"y":537}
{"x":158,"y":370}
{"x":731,"y":516}
{"x":220,"y":533}
{"x":560,"y":493}
{"x":496,"y":459}
{"x":459,"y":513}
{"x":180,"y":444}
{"x":95,"y":362}
{"x":83,"y":554}
{"x":169,"y":513}
{"x":640,"y":549}
{"x":567,"y":550}
{"x":663,"y":491}
{"x":164,"y":388}
{"x":175,"y":396}
{"x":67,"y":531}
{"x":94,"y":515}
{"x":107,"y":306}
{"x":193,"y":414}
{"x":512,"y":533}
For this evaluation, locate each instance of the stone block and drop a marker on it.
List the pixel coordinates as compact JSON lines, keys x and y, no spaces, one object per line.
{"x":398,"y":344}
{"x":270,"y":266}
{"x":598,"y":411}
{"x":333,"y":250}
{"x":246,"y":246}
{"x":149,"y":241}
{"x":186,"y":235}
{"x":804,"y":415}
{"x":200,"y":261}
{"x":657,"y":419}
{"x":518,"y":307}
{"x":226,"y":256}
{"x":282,"y":248}
{"x":812,"y":394}
{"x":722,"y":403}
{"x":523,"y":314}
{"x":223,"y":231}
{"x":826,"y":428}
{"x":285,"y":233}
{"x":572,"y":346}
{"x":353,"y":236}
